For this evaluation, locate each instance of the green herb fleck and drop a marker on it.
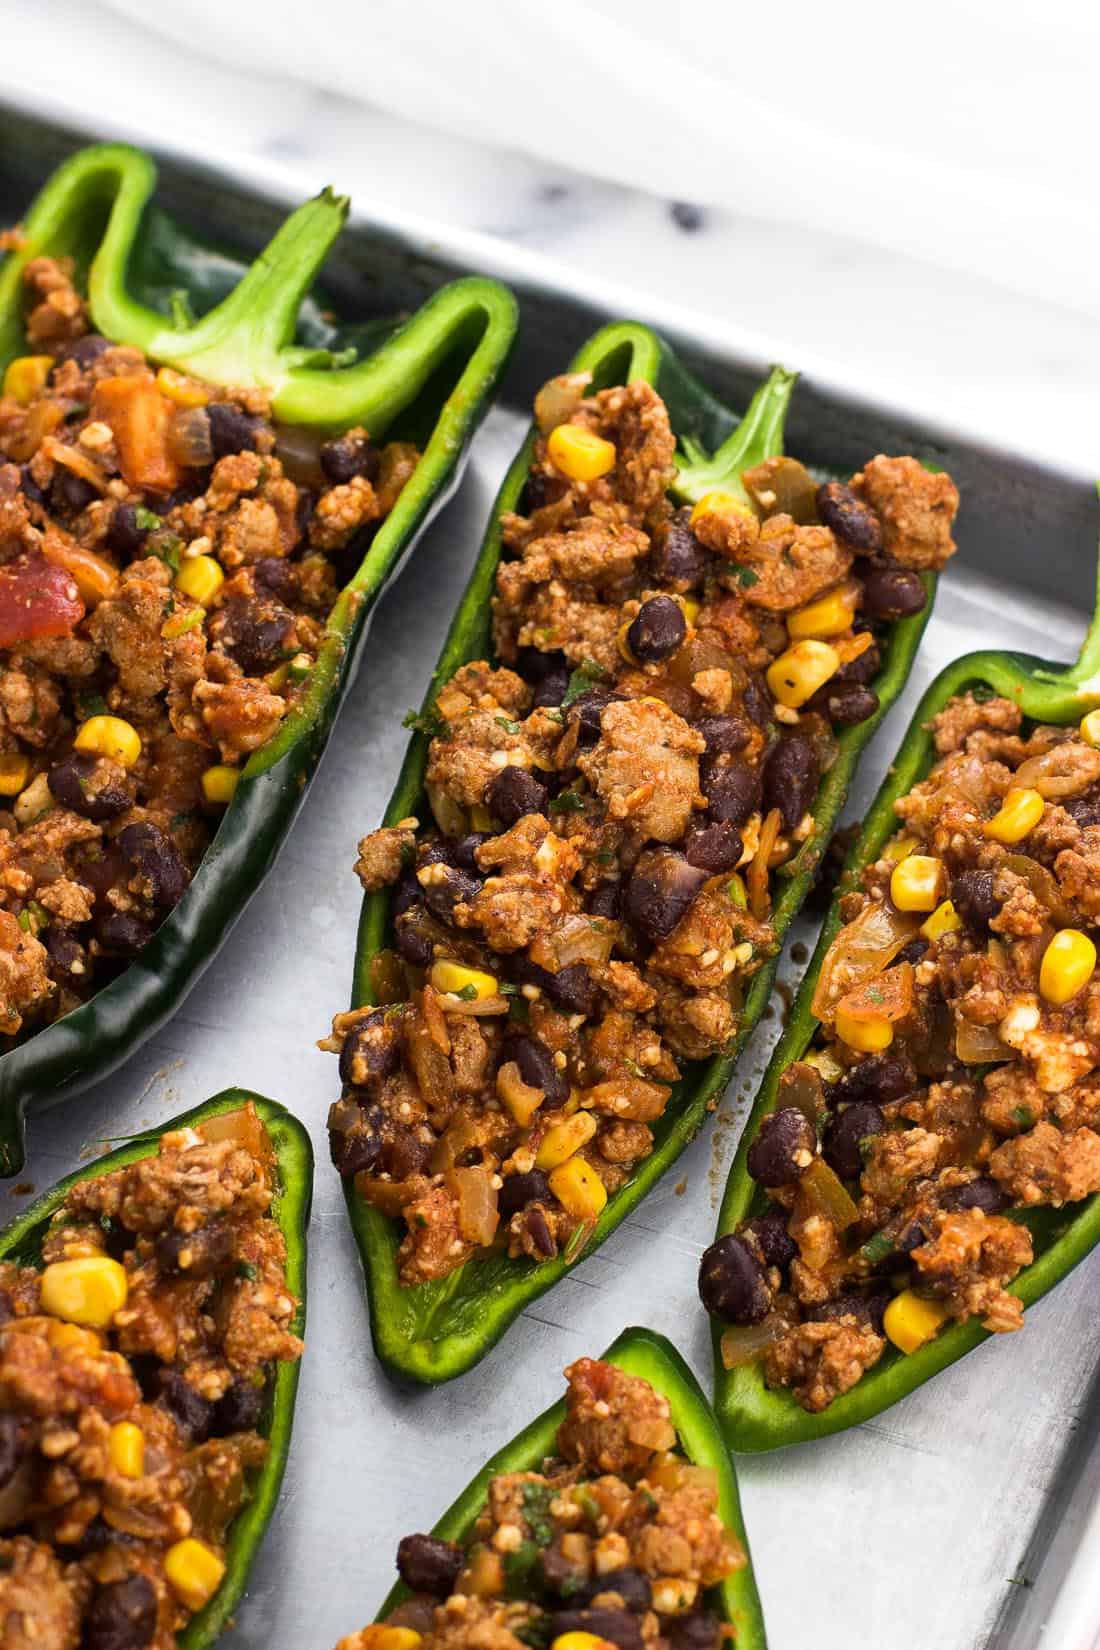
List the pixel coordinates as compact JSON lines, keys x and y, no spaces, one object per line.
{"x":25,"y":920}
{"x":507,"y":724}
{"x":586,"y":675}
{"x":587,"y":1502}
{"x":245,"y":1269}
{"x":468,"y":994}
{"x":605,"y":857}
{"x":428,"y":722}
{"x":535,"y":1500}
{"x":519,"y":1011}
{"x":553,"y":714}
{"x":634,"y":1068}
{"x":743,"y":576}
{"x":147,"y":520}
{"x":536,"y":1633}
{"x":567,"y":802}
{"x":878,"y":1247}
{"x":89,"y":705}
{"x":507,"y":988}
{"x":1022,"y":1116}
{"x":166,"y":547}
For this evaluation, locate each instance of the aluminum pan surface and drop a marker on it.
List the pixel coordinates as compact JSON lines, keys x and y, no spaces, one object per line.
{"x":917,"y":1531}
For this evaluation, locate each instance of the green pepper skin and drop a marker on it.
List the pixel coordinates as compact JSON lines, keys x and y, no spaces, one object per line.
{"x":430,"y":380}
{"x":751,"y":1416}
{"x":21,"y":1242}
{"x":649,"y":1355}
{"x":435,"y":1331}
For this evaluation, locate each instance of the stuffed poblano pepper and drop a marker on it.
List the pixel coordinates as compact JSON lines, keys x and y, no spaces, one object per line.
{"x":613,"y":1519}
{"x":150,"y":1313}
{"x":924,"y":1157}
{"x":202,"y":494}
{"x":630,"y":758}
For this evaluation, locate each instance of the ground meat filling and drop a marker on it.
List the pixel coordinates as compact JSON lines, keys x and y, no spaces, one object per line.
{"x":955,"y":1081}
{"x":167,"y":561}
{"x":618,"y":1535}
{"x":610,"y":799}
{"x":133,"y":1373}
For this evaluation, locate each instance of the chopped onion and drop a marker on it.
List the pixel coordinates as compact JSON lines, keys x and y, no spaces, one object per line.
{"x":449,"y":816}
{"x":1064,"y":770}
{"x":744,"y":1344}
{"x":477,"y":1203}
{"x":189,"y":438}
{"x":827,"y":1195}
{"x":864,"y":947}
{"x":782,"y":486}
{"x":575,"y":939}
{"x":300,"y":452}
{"x":885,"y":996}
{"x":1042,"y":885}
{"x":977,"y":1045}
{"x":559,"y":399}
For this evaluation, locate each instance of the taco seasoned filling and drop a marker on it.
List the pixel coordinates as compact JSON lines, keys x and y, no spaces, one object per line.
{"x":955,"y":1081}
{"x":610,"y":800}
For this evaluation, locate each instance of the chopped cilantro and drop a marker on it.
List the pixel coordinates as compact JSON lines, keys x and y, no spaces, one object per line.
{"x":744,"y":576}
{"x":536,"y":1499}
{"x":507,"y":724}
{"x":1022,"y":1115}
{"x":536,"y":1633}
{"x":634,"y":1068}
{"x":605,"y":857}
{"x":553,"y":714}
{"x":468,"y":994}
{"x":518,"y":1567}
{"x":519,"y":1011}
{"x":586,"y":675}
{"x":147,"y":520}
{"x":428,"y":722}
{"x":567,"y":802}
{"x":587,"y":1502}
{"x":245,"y":1269}
{"x":89,"y":705}
{"x":166,"y":546}
{"x":506,"y":988}
{"x":25,"y":920}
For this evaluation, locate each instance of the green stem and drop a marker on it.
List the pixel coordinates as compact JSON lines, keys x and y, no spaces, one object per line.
{"x":758,"y":436}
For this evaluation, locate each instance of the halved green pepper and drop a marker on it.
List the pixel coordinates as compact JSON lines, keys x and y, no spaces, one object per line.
{"x":21,"y":1243}
{"x":649,"y":1355}
{"x":428,"y":380}
{"x":752,"y":1416}
{"x":434,"y":1331}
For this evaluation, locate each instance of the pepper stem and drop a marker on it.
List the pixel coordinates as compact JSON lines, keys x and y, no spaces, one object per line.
{"x":758,"y":436}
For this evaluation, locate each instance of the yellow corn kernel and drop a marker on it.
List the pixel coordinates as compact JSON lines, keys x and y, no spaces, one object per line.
{"x":126,"y":1446}
{"x":69,"y":1337}
{"x":87,"y":1291}
{"x":109,"y":736}
{"x":1090,"y":729}
{"x":944,"y":920}
{"x":910,"y":1320}
{"x":1018,"y":814}
{"x":867,"y":1036}
{"x":26,"y":377}
{"x":578,"y":1188}
{"x":193,"y":1571}
{"x":564,"y":1140}
{"x":456,"y":979}
{"x":1068,"y":964}
{"x":917,"y":882}
{"x":580,"y":454}
{"x":691,"y":609}
{"x":830,"y":615}
{"x":578,"y":1640}
{"x":380,"y":1636}
{"x":219,"y":783}
{"x":200,"y":577}
{"x":623,"y":644}
{"x":480,"y":818}
{"x":13,"y":774}
{"x":720,"y":504}
{"x":184,"y":391}
{"x":797,"y":674}
{"x":900,"y":848}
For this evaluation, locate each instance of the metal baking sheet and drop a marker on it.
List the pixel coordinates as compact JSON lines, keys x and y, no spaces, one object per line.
{"x":959,"y":1519}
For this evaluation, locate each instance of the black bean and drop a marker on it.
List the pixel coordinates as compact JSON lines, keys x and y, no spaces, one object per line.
{"x":770,"y":1231}
{"x":632,"y":1585}
{"x":412,"y":943}
{"x":973,"y":898}
{"x":29,"y":487}
{"x":853,"y":522}
{"x":617,"y":1626}
{"x":464,"y":850}
{"x":206,"y":1251}
{"x":657,"y":631}
{"x":587,"y":713}
{"x":700,"y":1630}
{"x":660,"y":891}
{"x":123,"y":535}
{"x":273,"y":574}
{"x":192,"y":1413}
{"x":541,"y":489}
{"x":891,"y":592}
{"x":757,"y":701}
{"x":254,"y":632}
{"x":513,"y":793}
{"x":355,"y":1135}
{"x":1084,"y":810}
{"x":348,"y":456}
{"x":538,"y":1229}
{"x":910,"y":1237}
{"x":606,"y":900}
{"x":68,"y":784}
{"x":732,"y":1285}
{"x":518,"y":1190}
{"x":733,"y":791}
{"x":453,"y":888}
{"x":982,"y":1193}
{"x":371,"y":1051}
{"x":863,"y":668}
{"x":239,"y":1408}
{"x":96,"y":1537}
{"x":791,"y":775}
{"x":913,"y":950}
{"x":866,"y":1309}
{"x":550,"y":691}
{"x":70,"y":493}
{"x":880,"y":1077}
{"x":232,"y":430}
{"x":122,"y":1615}
{"x":156,"y":860}
{"x":777,"y":1155}
{"x":85,"y":350}
{"x":14,"y":1445}
{"x":534,"y":665}
{"x":725,"y":735}
{"x":429,"y":1565}
{"x":536,"y":1066}
{"x":572,"y":989}
{"x":122,"y":934}
{"x":843,"y":1135}
{"x":677,"y":558}
{"x":845,"y":703}
{"x":713,"y":848}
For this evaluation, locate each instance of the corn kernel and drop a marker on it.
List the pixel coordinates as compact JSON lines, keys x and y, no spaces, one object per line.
{"x":457,"y":980}
{"x":1068,"y":964}
{"x":944,"y":920}
{"x":26,"y":377}
{"x":380,"y":1636}
{"x":580,"y":454}
{"x":578,"y":1188}
{"x":578,"y":1640}
{"x":797,"y":674}
{"x":69,"y":1337}
{"x":109,"y":736}
{"x":1018,"y":814}
{"x":1090,"y":729}
{"x":721,"y":504}
{"x":900,"y":848}
{"x":219,"y":783}
{"x":184,"y":391}
{"x":564,"y":1140}
{"x":193,"y":1571}
{"x":917,"y":882}
{"x":200,"y":577}
{"x":910,"y":1320}
{"x":830,"y":615}
{"x":126,"y":1446}
{"x":621,"y":638}
{"x":87,"y":1291}
{"x":867,"y":1036}
{"x":13,"y":774}
{"x":691,"y":609}
{"x":480,"y":817}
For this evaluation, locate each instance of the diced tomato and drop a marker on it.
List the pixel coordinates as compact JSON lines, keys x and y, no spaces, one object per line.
{"x":36,"y":599}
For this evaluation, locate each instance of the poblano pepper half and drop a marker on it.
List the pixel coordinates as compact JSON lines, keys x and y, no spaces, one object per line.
{"x":428,"y":380}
